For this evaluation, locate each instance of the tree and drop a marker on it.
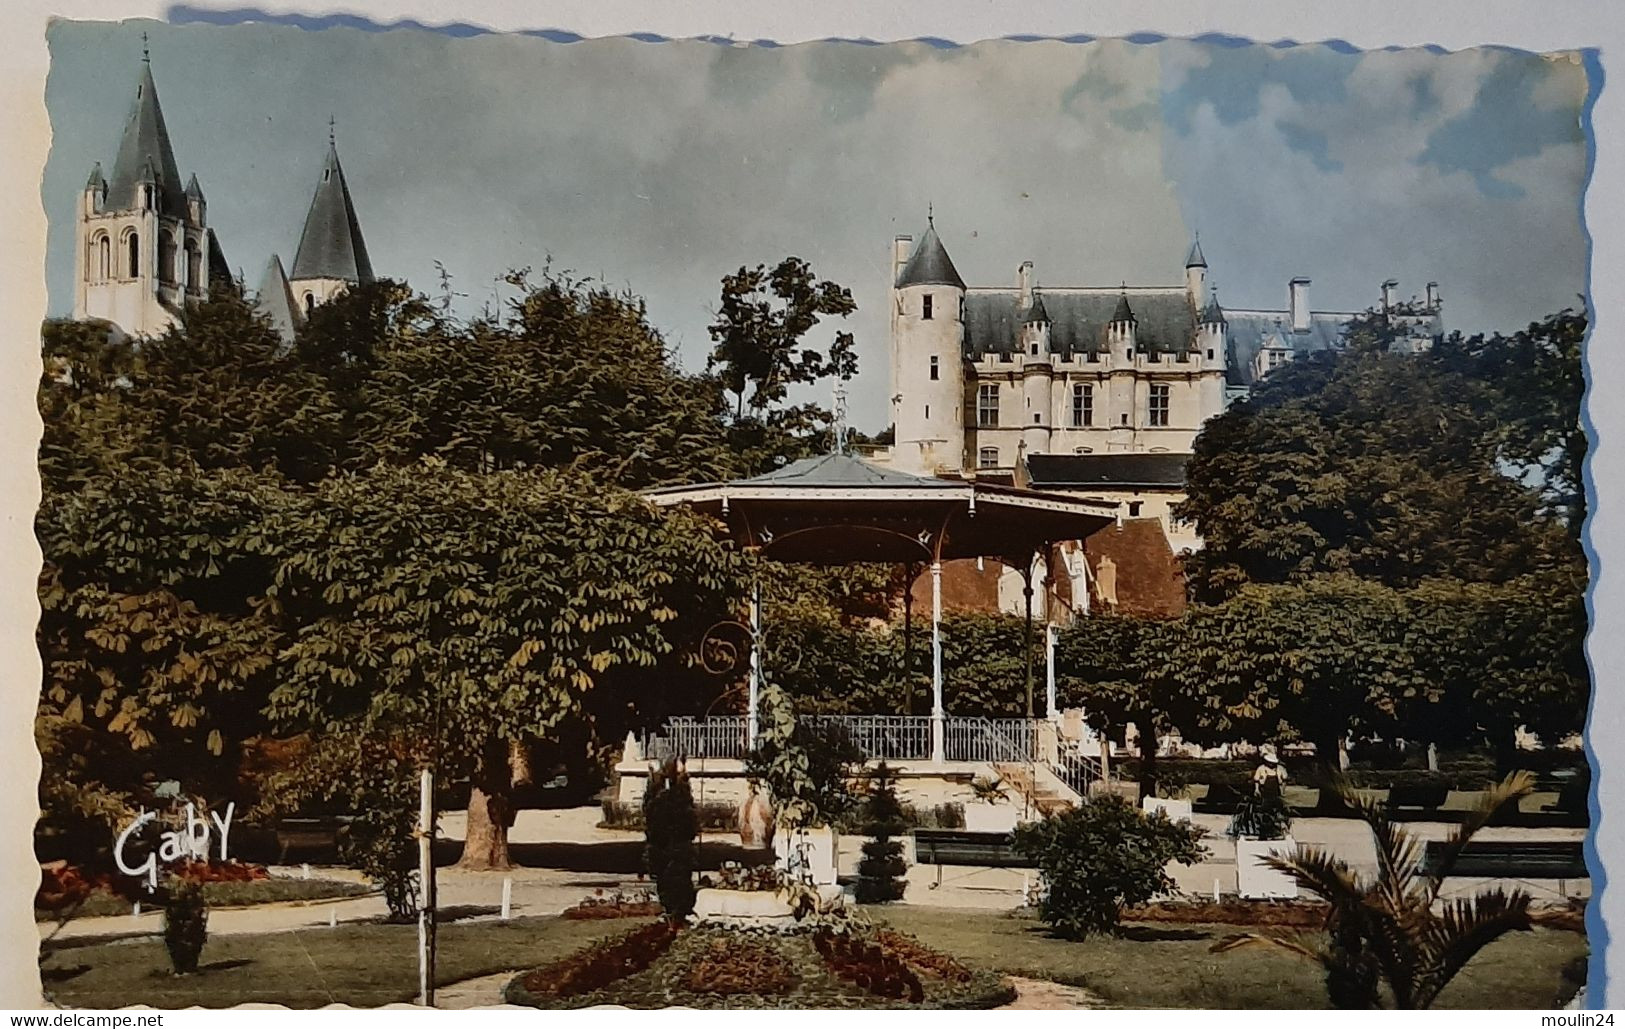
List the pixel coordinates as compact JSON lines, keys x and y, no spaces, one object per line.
{"x":759,"y":328}
{"x":808,"y":769}
{"x":880,"y":870}
{"x":489,"y":608}
{"x":1102,"y":856}
{"x":1395,"y":468}
{"x":670,"y":827}
{"x":1391,"y":930}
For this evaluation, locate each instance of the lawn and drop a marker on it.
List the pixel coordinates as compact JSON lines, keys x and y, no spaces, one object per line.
{"x":1169,"y":966}
{"x":368,"y":965}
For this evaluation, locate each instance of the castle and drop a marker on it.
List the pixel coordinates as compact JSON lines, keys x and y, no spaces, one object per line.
{"x":144,"y":247}
{"x":1099,"y":389}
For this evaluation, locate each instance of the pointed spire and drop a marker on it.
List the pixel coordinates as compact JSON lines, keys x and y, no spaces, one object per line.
{"x":145,"y":151}
{"x":1195,"y":258}
{"x":1124,"y":313}
{"x":1212,"y":314}
{"x":331,"y":246}
{"x":193,"y":190}
{"x":275,"y":300}
{"x":930,"y":265}
{"x":1036,"y":314}
{"x":96,"y":181}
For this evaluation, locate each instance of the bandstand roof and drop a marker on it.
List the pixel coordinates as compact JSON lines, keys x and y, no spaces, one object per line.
{"x":840,"y":509}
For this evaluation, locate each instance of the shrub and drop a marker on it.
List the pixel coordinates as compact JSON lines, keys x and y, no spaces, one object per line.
{"x":669,"y":831}
{"x":710,"y":816}
{"x":1261,"y":815}
{"x":880,"y":870}
{"x":186,"y":924}
{"x":807,"y":767}
{"x":1102,"y":856}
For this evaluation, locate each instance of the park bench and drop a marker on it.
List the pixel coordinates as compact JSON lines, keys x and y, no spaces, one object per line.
{"x":1221,"y":799}
{"x":308,"y":833}
{"x":1422,"y":798}
{"x":1513,"y":859}
{"x":961,"y":847}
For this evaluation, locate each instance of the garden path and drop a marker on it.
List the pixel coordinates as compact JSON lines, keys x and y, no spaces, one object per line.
{"x":1043,"y":995}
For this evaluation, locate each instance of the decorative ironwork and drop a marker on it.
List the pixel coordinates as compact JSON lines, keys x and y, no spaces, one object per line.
{"x":725,"y":647}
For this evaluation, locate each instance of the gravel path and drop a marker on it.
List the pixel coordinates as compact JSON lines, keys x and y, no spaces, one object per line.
{"x":1042,"y":995}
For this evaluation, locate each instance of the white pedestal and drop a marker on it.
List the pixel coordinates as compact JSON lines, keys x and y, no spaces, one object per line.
{"x":755,"y":907}
{"x":1176,"y":810}
{"x":991,"y":817}
{"x":1256,"y":880}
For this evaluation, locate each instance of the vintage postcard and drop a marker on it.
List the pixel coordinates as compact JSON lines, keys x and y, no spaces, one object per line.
{"x":1021,"y":524}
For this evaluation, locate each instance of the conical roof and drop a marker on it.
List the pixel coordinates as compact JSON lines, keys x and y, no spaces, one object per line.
{"x":1125,"y":313}
{"x":97,"y":180}
{"x":193,"y":190}
{"x":1195,"y":259}
{"x":331,"y":246}
{"x":929,"y":265}
{"x":145,"y":145}
{"x":275,"y":300}
{"x":1212,"y":314}
{"x":1036,"y":312}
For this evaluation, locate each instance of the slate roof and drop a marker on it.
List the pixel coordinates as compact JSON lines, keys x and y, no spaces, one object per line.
{"x":1078,"y":319}
{"x":146,"y":145}
{"x":1195,"y":258}
{"x":219,"y":270}
{"x":275,"y":299}
{"x":929,"y":265}
{"x":841,"y":470}
{"x":1248,"y":331}
{"x":331,"y":246}
{"x":1099,"y":471}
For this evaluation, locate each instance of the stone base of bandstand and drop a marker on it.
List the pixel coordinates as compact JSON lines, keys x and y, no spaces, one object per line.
{"x":922,"y":784}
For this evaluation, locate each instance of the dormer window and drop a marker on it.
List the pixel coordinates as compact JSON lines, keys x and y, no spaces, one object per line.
{"x":310,"y":303}
{"x":925,"y":310}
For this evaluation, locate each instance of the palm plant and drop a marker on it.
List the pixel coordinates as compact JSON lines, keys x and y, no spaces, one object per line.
{"x":1392,"y":930}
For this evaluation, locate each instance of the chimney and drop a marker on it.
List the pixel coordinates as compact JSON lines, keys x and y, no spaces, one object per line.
{"x":900,"y":248}
{"x":1024,"y":283}
{"x":1298,"y":296}
{"x":1390,"y":294}
{"x":1433,"y":296}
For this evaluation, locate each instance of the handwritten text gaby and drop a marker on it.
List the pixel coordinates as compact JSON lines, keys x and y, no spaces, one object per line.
{"x":189,"y":841}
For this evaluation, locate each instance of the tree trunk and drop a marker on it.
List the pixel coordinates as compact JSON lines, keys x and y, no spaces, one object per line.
{"x":490,"y":813}
{"x":1148,"y":755}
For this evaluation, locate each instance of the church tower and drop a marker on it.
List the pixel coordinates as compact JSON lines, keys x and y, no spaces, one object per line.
{"x":332,"y":256}
{"x":928,"y":375}
{"x":143,"y":247}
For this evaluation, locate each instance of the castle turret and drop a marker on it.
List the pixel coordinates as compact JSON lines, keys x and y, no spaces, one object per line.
{"x":1196,"y":276}
{"x":1212,"y":340}
{"x":332,"y":256}
{"x":1037,"y":379}
{"x":928,"y":333}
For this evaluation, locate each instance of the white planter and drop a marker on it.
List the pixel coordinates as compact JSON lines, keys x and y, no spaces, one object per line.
{"x":1256,"y":880}
{"x":808,"y":855}
{"x":755,"y":907}
{"x":991,"y":817}
{"x":1176,"y":810}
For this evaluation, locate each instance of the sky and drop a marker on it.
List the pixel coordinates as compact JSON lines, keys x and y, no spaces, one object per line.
{"x":661,"y":167}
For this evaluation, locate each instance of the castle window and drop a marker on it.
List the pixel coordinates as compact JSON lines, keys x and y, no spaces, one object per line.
{"x":1094,"y":357}
{"x":927,"y":412}
{"x":1210,"y":353}
{"x":987,"y":457}
{"x":1131,"y":353}
{"x":310,"y":303}
{"x":1083,"y":450}
{"x":133,"y":264}
{"x":1155,"y":356}
{"x":1083,"y":405}
{"x":925,"y":312}
{"x":987,"y":405}
{"x":1134,"y":509}
{"x":934,"y":369}
{"x":146,"y":197}
{"x":1184,"y":357}
{"x":1157,"y":408}
{"x":166,"y":257}
{"x":1035,"y":349}
{"x":194,"y":267}
{"x":1037,"y":418}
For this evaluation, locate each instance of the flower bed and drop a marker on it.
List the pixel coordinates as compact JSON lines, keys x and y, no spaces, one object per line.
{"x":598,"y":965}
{"x":1235,"y":911}
{"x":719,"y":967}
{"x":641,"y":904}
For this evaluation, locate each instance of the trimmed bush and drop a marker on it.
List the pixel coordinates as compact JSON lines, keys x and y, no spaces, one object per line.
{"x":880,"y":870}
{"x":669,"y":831}
{"x":1102,"y":856}
{"x":186,"y":924}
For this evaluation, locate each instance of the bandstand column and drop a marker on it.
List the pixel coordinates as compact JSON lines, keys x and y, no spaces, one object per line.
{"x":939,"y":726}
{"x":752,"y":718}
{"x":1049,"y":672}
